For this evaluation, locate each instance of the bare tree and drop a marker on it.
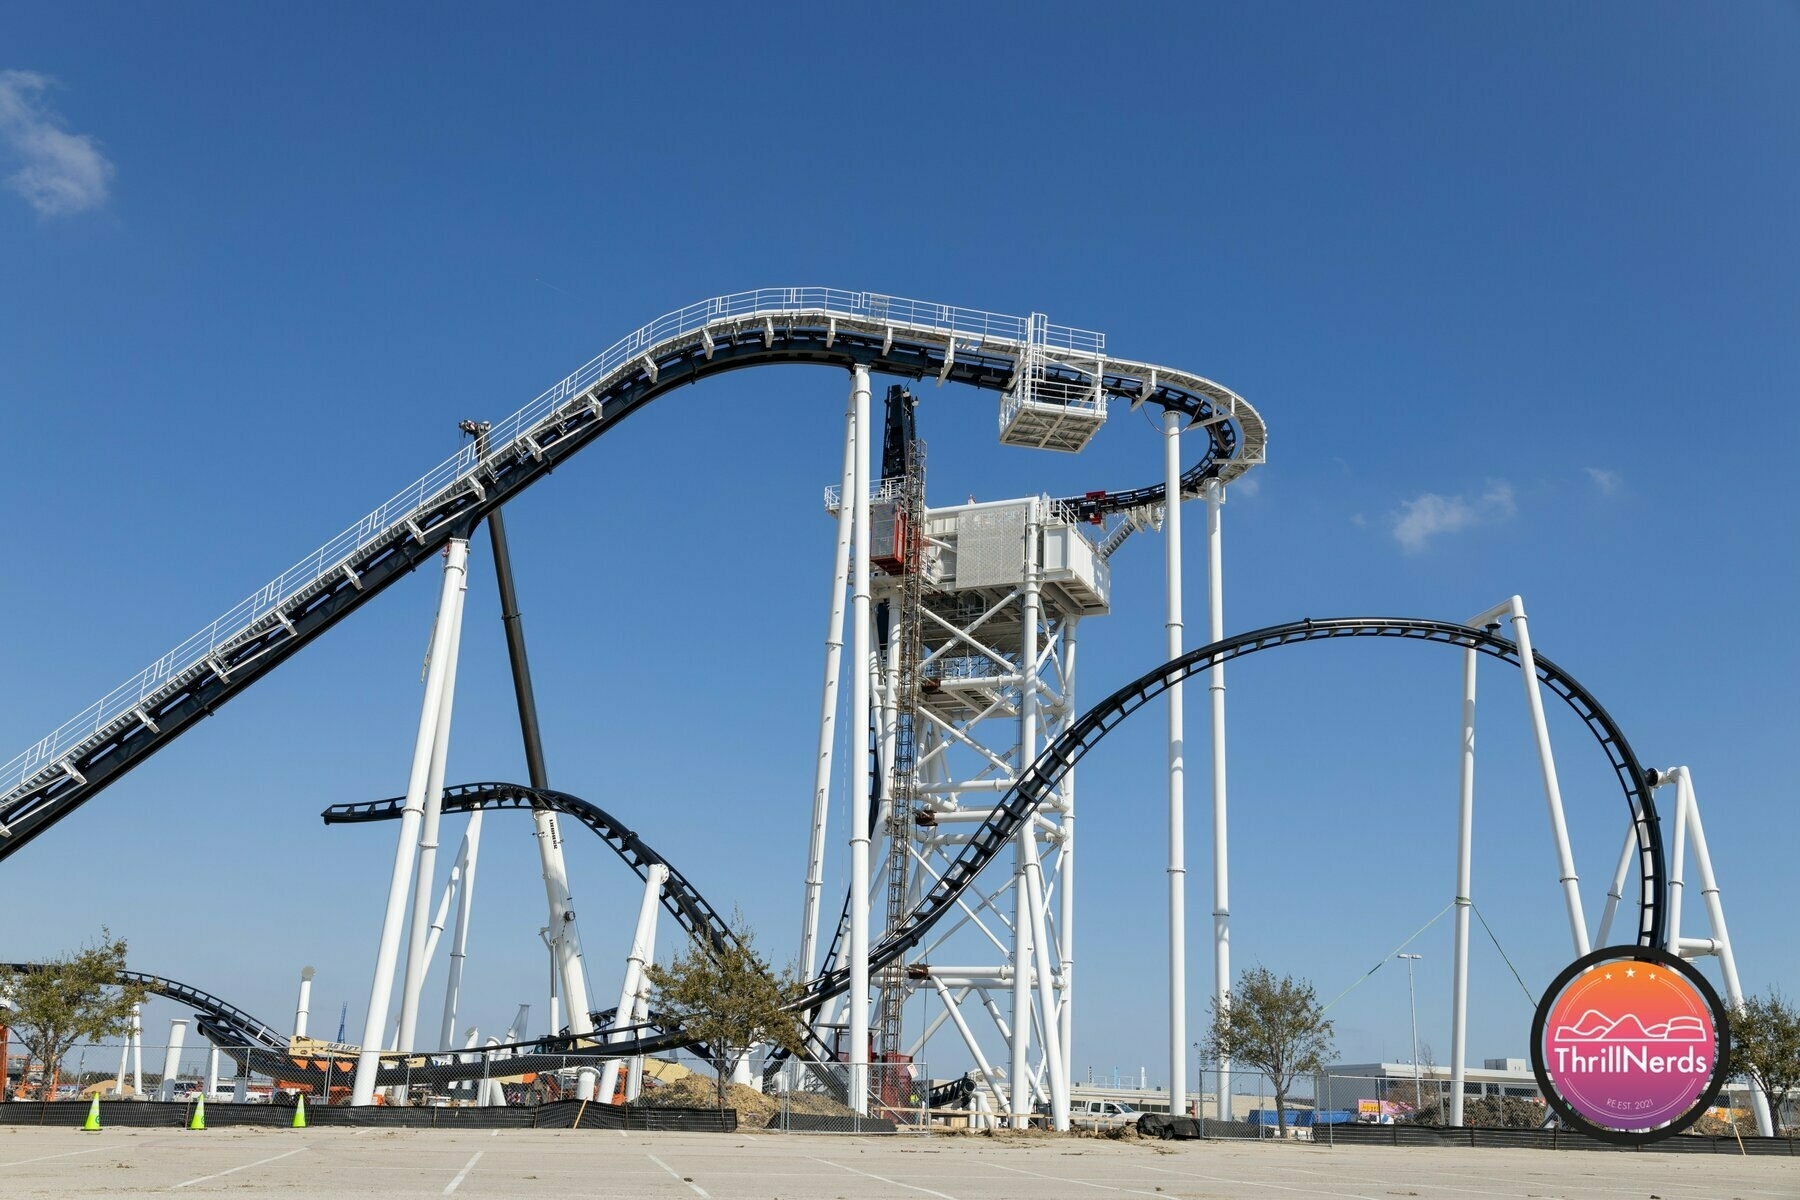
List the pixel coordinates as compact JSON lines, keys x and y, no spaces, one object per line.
{"x":1274,"y":1025}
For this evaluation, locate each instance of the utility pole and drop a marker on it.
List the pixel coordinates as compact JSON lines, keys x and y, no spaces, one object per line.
{"x":1413,"y":1002}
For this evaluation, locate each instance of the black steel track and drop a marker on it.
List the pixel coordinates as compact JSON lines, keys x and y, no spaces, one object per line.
{"x":1042,"y":777}
{"x":683,"y":901}
{"x":269,"y":643}
{"x":702,"y":921}
{"x":1030,"y":790}
{"x":698,"y":919}
{"x":224,"y":1023}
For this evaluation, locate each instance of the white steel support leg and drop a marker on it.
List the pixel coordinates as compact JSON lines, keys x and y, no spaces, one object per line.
{"x":1055,"y":1066}
{"x":446,"y":899}
{"x":1065,"y":873}
{"x":828,"y":702}
{"x":387,"y":953}
{"x":1617,"y":891}
{"x":1026,"y":934}
{"x":1559,"y":828}
{"x":212,"y":1071}
{"x":303,"y":1005}
{"x":562,"y":923}
{"x":1465,"y":838}
{"x":124,"y":1056}
{"x":1715,"y":917}
{"x":172,"y":1059}
{"x":459,"y":935}
{"x":137,"y":1049}
{"x":860,"y":713}
{"x":1177,"y":794}
{"x":1019,"y":1072}
{"x":640,"y":1013}
{"x":413,"y":985}
{"x":1677,"y":857}
{"x":643,"y":945}
{"x":962,"y":1027}
{"x":1215,"y":691}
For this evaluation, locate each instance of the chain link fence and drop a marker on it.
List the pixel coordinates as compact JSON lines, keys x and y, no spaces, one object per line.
{"x":818,"y":1097}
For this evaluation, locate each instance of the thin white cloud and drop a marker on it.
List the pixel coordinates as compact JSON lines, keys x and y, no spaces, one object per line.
{"x":58,"y":172}
{"x":1609,"y":482}
{"x":1247,"y":487}
{"x":1427,"y":516}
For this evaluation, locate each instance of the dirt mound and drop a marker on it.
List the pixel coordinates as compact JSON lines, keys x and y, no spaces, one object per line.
{"x":698,"y":1091}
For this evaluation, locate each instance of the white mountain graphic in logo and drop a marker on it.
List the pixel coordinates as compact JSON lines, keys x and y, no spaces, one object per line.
{"x":1596,"y":1026}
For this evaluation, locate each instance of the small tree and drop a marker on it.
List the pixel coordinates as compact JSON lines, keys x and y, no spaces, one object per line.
{"x":1765,"y":1045}
{"x":728,"y":998}
{"x":1274,"y":1025}
{"x":70,"y":999}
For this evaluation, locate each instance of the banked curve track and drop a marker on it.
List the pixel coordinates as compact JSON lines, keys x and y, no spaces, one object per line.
{"x":821,"y":326}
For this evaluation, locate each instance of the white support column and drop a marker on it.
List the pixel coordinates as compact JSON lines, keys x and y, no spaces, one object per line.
{"x":1215,"y":690}
{"x":1065,"y":872}
{"x":137,"y":1049}
{"x":962,"y":1027}
{"x":1715,"y":917}
{"x":1055,"y":1065}
{"x":1617,"y":891}
{"x":643,"y":945}
{"x":124,"y":1057}
{"x":1025,"y":941}
{"x":1177,"y":786}
{"x":565,"y":946}
{"x":828,"y":702}
{"x":640,"y":1012}
{"x":425,"y":875}
{"x":303,"y":1005}
{"x":1019,"y":1071}
{"x":459,"y":935}
{"x":1677,"y":857}
{"x":212,"y":1072}
{"x":860,"y":713}
{"x":1559,"y":828}
{"x":172,"y":1059}
{"x":446,"y":898}
{"x":1465,"y":838}
{"x":387,"y":953}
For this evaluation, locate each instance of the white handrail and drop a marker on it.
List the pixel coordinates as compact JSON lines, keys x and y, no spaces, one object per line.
{"x":335,"y":555}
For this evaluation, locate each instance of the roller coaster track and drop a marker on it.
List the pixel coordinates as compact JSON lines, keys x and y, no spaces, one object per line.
{"x":698,"y":919}
{"x":1041,"y":779}
{"x":821,"y":326}
{"x":682,"y":900}
{"x":223,"y":1023}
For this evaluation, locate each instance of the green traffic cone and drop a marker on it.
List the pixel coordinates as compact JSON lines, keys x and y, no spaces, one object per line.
{"x":299,"y":1112}
{"x":92,"y":1124}
{"x":198,"y":1120}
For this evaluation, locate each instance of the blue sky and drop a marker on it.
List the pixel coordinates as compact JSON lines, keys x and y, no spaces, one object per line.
{"x":1515,"y":289}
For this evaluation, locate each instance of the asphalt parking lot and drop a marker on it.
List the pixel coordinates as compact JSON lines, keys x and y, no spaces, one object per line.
{"x":540,"y":1163}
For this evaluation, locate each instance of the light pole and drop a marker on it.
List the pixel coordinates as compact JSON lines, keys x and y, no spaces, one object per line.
{"x":1413,"y":1001}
